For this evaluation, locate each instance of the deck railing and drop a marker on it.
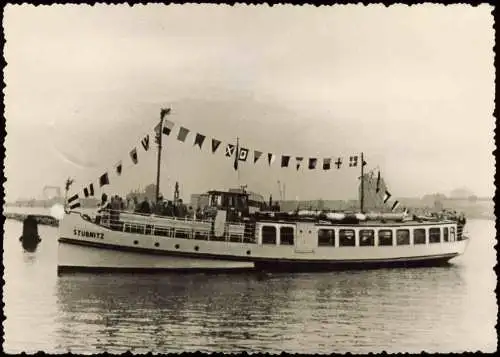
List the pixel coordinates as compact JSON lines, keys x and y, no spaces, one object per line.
{"x":188,"y":227}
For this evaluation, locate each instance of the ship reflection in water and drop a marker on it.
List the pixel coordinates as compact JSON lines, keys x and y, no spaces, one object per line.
{"x":323,"y":312}
{"x":439,"y":309}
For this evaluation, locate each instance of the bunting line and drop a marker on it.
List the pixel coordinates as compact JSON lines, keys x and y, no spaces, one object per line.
{"x":118,"y":168}
{"x":74,"y":201}
{"x":199,"y":140}
{"x":256,"y":155}
{"x":215,"y":145}
{"x":145,"y":142}
{"x":241,"y":154}
{"x":270,"y":158}
{"x":183,"y":133}
{"x":167,"y":127}
{"x":387,"y":196}
{"x":298,"y":162}
{"x":229,"y":150}
{"x":353,"y":161}
{"x":104,"y":180}
{"x":133,"y":156}
{"x":285,"y":159}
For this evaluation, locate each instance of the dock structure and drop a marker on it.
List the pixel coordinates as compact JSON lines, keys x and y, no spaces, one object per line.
{"x":40,"y":218}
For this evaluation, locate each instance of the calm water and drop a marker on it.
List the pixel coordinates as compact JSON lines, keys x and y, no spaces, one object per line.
{"x":432,"y":309}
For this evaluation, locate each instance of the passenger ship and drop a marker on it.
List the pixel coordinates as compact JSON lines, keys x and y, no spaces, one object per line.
{"x":235,"y":235}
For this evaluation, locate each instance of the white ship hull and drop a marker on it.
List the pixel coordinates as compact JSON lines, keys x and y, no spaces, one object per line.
{"x":78,"y":257}
{"x":86,"y":246}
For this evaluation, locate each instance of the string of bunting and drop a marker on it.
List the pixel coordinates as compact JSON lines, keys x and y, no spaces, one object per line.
{"x":104,"y":179}
{"x":230,"y":150}
{"x":387,"y":199}
{"x":240,"y":153}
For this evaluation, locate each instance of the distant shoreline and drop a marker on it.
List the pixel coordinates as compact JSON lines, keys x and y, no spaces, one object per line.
{"x":46,"y":211}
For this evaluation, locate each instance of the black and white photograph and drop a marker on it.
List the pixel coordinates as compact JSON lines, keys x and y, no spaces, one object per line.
{"x":249,"y":178}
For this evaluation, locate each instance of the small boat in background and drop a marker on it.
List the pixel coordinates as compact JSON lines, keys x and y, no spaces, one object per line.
{"x":30,"y":238}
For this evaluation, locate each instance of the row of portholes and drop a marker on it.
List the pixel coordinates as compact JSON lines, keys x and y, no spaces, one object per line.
{"x":156,"y":244}
{"x":177,"y":246}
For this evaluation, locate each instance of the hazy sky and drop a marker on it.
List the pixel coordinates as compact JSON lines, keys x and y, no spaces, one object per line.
{"x":411,"y":87}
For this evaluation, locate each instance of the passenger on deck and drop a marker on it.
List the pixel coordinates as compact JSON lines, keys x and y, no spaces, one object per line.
{"x":169,"y":209}
{"x":190,"y":212}
{"x":145,"y":206}
{"x":461,"y":219}
{"x":131,"y":204}
{"x":123,"y":205}
{"x":159,"y":206}
{"x":115,"y":212}
{"x":182,"y":209}
{"x":103,"y":208}
{"x":136,"y":205}
{"x":198,"y":214}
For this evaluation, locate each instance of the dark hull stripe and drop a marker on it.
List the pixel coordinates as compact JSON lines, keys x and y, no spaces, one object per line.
{"x":249,"y":258}
{"x":66,"y":269}
{"x":269,"y":266}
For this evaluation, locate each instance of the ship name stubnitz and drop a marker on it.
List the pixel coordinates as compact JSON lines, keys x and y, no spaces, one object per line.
{"x":88,"y":234}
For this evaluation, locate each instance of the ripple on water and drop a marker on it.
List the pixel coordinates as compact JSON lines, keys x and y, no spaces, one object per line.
{"x":436,"y":309}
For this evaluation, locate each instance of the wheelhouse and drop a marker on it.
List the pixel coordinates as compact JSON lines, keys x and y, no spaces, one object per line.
{"x":237,"y":204}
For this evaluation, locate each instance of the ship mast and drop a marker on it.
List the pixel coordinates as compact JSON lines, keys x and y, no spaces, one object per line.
{"x":176,"y":193}
{"x":69,"y":182}
{"x":159,"y":135}
{"x":237,"y":157}
{"x":362,"y":194}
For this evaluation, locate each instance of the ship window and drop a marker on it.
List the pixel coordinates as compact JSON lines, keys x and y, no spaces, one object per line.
{"x":452,"y":234}
{"x":445,"y":234}
{"x":286,"y":236}
{"x":434,"y":235}
{"x":347,"y":238}
{"x":366,"y":237}
{"x":419,"y":236}
{"x":403,"y":237}
{"x":268,"y":235}
{"x":326,"y":237}
{"x":385,"y":237}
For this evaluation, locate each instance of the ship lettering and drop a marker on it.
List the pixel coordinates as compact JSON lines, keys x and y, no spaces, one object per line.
{"x":88,"y":234}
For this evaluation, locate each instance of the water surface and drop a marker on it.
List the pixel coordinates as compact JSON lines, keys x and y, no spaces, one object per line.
{"x":445,"y":309}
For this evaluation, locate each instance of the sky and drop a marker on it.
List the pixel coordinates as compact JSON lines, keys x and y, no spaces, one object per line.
{"x":410,"y":87}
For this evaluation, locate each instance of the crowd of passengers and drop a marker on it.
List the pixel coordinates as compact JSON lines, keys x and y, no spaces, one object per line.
{"x":116,"y":204}
{"x":453,"y":215}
